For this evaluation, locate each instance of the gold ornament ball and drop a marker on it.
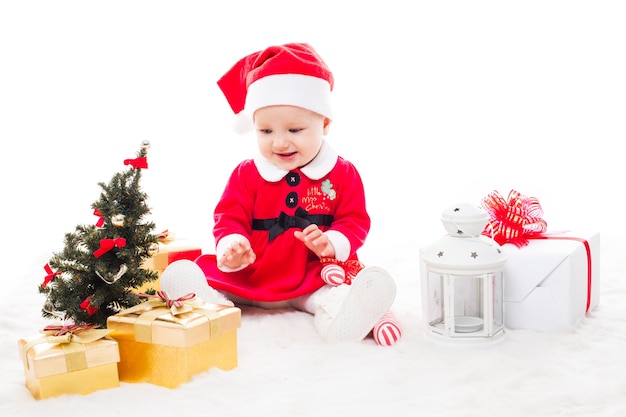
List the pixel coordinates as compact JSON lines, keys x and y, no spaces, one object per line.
{"x":145,"y":144}
{"x":118,"y":220}
{"x":153,"y":249}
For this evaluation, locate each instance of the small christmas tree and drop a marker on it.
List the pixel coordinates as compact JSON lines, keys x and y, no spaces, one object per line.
{"x":100,"y":265}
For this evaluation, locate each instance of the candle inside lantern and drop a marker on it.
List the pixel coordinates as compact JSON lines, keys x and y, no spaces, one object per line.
{"x":467,"y":324}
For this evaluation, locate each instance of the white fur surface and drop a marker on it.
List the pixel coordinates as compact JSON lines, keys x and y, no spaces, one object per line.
{"x":285,"y":369}
{"x":436,"y":103}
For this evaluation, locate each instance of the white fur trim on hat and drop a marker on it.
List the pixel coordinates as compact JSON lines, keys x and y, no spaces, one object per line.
{"x":311,"y":93}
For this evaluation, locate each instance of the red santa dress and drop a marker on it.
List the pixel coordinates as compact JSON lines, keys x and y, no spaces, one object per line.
{"x":266,"y":204}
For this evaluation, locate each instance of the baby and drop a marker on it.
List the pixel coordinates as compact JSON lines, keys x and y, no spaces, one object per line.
{"x":291,"y":219}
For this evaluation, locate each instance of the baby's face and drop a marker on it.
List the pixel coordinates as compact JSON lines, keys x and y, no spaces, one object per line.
{"x":289,"y":136}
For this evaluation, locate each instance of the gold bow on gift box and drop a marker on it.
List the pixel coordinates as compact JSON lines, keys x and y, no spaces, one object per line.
{"x":72,"y":338}
{"x":161,"y":306}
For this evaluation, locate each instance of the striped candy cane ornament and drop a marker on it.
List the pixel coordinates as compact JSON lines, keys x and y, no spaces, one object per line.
{"x":387,"y":331}
{"x":336,"y":272}
{"x":333,"y":274}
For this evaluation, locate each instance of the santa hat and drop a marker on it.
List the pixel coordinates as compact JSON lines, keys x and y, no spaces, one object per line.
{"x":291,"y":74}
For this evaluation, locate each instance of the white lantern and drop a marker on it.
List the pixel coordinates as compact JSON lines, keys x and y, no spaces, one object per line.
{"x":462,"y":279}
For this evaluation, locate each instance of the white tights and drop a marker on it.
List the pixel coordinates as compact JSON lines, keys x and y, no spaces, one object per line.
{"x":306,"y":303}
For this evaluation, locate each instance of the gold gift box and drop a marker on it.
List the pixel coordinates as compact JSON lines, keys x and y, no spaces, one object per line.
{"x":169,"y":252}
{"x":53,"y":369}
{"x":168,"y":349}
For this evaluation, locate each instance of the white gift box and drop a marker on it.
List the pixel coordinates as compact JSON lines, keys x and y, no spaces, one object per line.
{"x":553,"y":282}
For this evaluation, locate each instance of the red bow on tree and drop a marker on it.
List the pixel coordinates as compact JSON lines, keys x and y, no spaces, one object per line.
{"x":50,"y":275}
{"x":108,"y":244}
{"x":137,"y":162}
{"x":513,"y":220}
{"x":100,"y":221}
{"x":86,"y":305}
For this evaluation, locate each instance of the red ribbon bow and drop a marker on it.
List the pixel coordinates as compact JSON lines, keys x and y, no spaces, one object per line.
{"x":100,"y":221}
{"x":86,"y":305}
{"x":60,"y":330}
{"x":513,"y":220}
{"x":162,"y":295}
{"x":352,"y":267}
{"x":108,"y":244}
{"x":520,"y":219}
{"x":141,"y":162}
{"x":50,"y":275}
{"x":165,"y":236}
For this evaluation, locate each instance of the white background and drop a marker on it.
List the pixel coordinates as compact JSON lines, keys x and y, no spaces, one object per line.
{"x":436,"y":103}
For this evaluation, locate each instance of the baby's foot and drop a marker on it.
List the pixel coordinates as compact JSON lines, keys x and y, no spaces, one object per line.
{"x":350,"y":312}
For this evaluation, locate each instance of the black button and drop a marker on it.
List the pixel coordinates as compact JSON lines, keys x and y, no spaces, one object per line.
{"x":292,"y":200}
{"x":293,"y":179}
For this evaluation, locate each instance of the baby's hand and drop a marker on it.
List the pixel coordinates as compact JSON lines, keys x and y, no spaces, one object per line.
{"x":316,"y":241}
{"x":238,"y":254}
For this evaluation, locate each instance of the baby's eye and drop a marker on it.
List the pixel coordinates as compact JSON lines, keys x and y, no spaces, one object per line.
{"x":265,"y":131}
{"x":294,"y":130}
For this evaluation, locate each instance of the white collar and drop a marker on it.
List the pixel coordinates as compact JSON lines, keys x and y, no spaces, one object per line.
{"x":321,"y":165}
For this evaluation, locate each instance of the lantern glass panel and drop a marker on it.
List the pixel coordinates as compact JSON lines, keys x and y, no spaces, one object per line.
{"x":465,"y":306}
{"x":435,"y":304}
{"x":468,"y":301}
{"x":497,"y":280}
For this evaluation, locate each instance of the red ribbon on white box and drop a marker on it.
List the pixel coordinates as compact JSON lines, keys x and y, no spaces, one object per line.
{"x":519,"y":218}
{"x":587,"y":248}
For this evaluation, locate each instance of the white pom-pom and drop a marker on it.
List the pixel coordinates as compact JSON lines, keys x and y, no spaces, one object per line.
{"x":183,"y":277}
{"x":243,"y":123}
{"x":333,"y":274}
